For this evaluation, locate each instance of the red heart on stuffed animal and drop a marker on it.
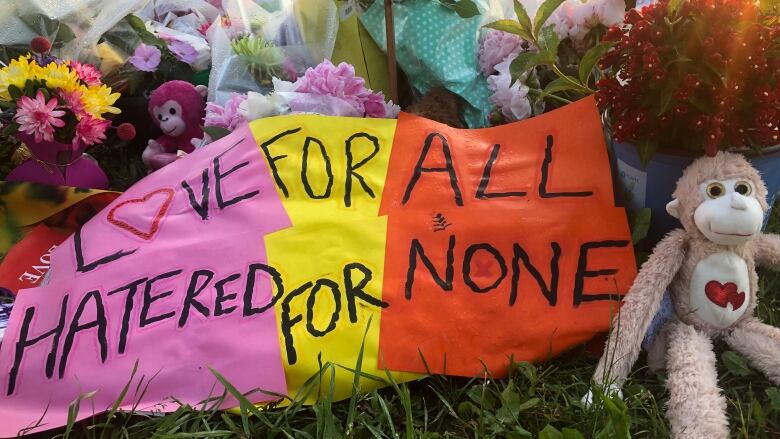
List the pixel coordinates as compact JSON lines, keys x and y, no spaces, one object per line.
{"x":722,"y":295}
{"x":138,"y":207}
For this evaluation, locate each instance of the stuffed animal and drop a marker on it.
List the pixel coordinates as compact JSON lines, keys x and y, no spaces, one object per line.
{"x":178,"y":108}
{"x":709,"y":269}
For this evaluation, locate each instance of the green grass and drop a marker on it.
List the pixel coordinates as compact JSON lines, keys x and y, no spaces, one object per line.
{"x":539,"y":401}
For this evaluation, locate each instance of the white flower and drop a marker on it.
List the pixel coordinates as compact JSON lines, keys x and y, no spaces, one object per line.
{"x":511,"y":99}
{"x":575,"y":18}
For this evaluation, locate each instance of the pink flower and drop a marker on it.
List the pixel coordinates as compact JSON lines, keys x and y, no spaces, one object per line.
{"x":73,"y":102}
{"x":90,"y":130}
{"x":495,"y":47}
{"x":38,"y":117}
{"x":183,"y":51}
{"x":375,"y":105}
{"x":510,"y":98}
{"x":230,"y":117}
{"x":87,"y":73}
{"x":575,"y":18}
{"x":146,"y":58}
{"x":339,"y":82}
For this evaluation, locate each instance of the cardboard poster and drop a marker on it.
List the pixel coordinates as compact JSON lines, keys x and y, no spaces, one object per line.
{"x":300,"y":243}
{"x":501,"y":242}
{"x":172,"y":276}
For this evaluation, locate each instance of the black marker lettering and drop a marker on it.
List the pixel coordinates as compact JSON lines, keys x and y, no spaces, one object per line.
{"x":149,"y":299}
{"x":131,"y":288}
{"x":469,"y":255}
{"x":218,"y":176}
{"x":250,"y":289}
{"x":449,"y":168}
{"x":482,"y":193}
{"x":288,"y":322}
{"x":416,"y":250}
{"x":219,"y":286}
{"x":76,"y":327}
{"x":583,"y":272}
{"x":202,"y":208}
{"x":354,"y":292}
{"x":305,"y":167}
{"x":273,"y":159}
{"x":312,"y":300}
{"x":550,"y":293}
{"x":23,"y":343}
{"x":546,"y":174}
{"x":351,"y":168}
{"x":83,"y":268}
{"x":193,"y":289}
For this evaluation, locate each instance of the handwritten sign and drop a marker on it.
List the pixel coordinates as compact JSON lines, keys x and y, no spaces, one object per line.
{"x":171,"y":275}
{"x":309,"y":241}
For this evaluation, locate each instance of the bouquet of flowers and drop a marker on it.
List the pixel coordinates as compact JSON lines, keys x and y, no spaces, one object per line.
{"x":535,"y":65}
{"x":698,"y":75}
{"x":58,"y":108}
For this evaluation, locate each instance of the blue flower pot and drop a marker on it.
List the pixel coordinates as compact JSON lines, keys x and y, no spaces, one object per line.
{"x":652,"y":186}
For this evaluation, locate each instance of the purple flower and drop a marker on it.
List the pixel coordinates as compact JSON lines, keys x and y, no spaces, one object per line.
{"x":183,"y":51}
{"x":146,"y":58}
{"x":495,"y":47}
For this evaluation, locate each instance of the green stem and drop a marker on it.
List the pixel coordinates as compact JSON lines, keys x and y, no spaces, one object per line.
{"x":576,"y":84}
{"x":544,"y":94}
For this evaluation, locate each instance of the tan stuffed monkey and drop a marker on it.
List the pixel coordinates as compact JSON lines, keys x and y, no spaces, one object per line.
{"x":709,"y":267}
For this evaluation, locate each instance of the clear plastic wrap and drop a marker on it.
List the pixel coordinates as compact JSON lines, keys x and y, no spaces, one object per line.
{"x":258,"y":40}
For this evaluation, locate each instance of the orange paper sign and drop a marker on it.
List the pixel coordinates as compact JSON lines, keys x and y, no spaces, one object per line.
{"x":501,"y":242}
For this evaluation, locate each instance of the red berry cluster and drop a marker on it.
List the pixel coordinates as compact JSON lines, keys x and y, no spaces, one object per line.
{"x":703,"y":77}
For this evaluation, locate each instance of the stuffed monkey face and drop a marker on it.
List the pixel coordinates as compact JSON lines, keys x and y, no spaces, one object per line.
{"x":730,"y":213}
{"x":722,"y":198}
{"x":169,"y":116}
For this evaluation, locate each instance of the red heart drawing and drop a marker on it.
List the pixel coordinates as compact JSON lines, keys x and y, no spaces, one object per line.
{"x":722,"y":295}
{"x":167,"y":192}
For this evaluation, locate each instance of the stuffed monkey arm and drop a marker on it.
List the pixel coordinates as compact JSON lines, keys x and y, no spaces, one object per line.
{"x":155,"y":156}
{"x":637,"y":310}
{"x":768,"y":251}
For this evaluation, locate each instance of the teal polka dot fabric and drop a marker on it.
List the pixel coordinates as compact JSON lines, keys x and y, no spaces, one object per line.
{"x":436,"y":47}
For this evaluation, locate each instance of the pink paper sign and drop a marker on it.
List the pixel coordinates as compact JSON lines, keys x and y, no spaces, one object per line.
{"x":172,"y":275}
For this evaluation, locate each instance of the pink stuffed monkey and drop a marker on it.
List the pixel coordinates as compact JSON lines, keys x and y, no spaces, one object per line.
{"x":178,"y":108}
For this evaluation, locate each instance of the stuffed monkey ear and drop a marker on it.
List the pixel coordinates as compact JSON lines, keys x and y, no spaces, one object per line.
{"x":674,"y":208}
{"x":202,"y":89}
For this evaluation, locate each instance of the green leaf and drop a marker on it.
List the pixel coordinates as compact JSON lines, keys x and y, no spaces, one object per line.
{"x":15,"y":92}
{"x":523,"y":19}
{"x":216,"y":133}
{"x":525,"y":62}
{"x":512,"y":27}
{"x":550,"y":432}
{"x":667,"y":93}
{"x":548,"y":43}
{"x":773,"y":393}
{"x":646,"y":149}
{"x":466,"y":9}
{"x":736,"y":364}
{"x":143,"y":33}
{"x":640,"y":224}
{"x":558,"y":85}
{"x":570,"y":433}
{"x":591,"y":58}
{"x":543,"y":13}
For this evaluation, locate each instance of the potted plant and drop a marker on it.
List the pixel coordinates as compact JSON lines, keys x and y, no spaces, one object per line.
{"x":57,"y":108}
{"x":686,"y":78}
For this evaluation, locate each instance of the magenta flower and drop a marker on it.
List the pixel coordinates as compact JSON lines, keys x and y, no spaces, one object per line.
{"x":90,"y":130}
{"x":73,"y":102}
{"x":87,"y":73}
{"x":146,"y":58}
{"x":38,"y":117}
{"x":374,"y":104}
{"x":230,"y":117}
{"x":183,"y":51}
{"x":329,"y":80}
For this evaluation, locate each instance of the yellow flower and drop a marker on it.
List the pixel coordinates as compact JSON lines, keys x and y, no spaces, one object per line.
{"x":98,"y":100}
{"x":17,"y":73}
{"x":59,"y":76}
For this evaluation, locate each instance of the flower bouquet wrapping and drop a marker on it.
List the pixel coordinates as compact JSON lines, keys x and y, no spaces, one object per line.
{"x":58,"y":109}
